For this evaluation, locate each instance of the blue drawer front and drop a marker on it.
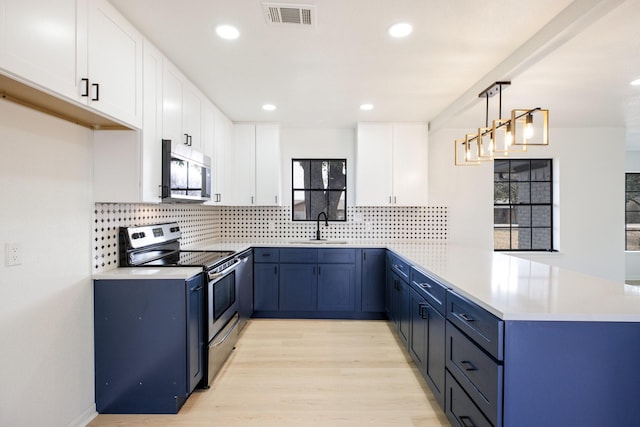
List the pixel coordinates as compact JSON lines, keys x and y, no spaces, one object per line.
{"x":477,"y":373}
{"x":480,"y":325}
{"x":460,"y":409}
{"x":432,"y":291}
{"x":266,"y":255}
{"x":296,"y":255}
{"x":337,"y":256}
{"x":400,"y":266}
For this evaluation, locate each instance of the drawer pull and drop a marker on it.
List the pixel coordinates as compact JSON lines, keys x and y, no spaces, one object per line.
{"x":467,"y":421}
{"x":425,"y":285}
{"x":421,"y":311}
{"x":466,"y":318}
{"x":468,"y":366}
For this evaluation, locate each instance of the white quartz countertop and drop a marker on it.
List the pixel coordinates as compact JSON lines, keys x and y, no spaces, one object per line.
{"x":126,"y":273}
{"x":511,"y":288}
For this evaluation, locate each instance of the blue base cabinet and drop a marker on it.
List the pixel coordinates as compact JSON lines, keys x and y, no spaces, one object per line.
{"x":324,"y":283}
{"x":571,"y":374}
{"x":149,"y":344}
{"x":298,"y":287}
{"x":266,"y":279}
{"x":373,"y":280}
{"x":336,"y":287}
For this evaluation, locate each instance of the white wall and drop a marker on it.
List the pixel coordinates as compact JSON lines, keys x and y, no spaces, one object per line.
{"x":46,"y":305}
{"x":589,"y":167}
{"x":632,"y":259}
{"x":317,"y":144}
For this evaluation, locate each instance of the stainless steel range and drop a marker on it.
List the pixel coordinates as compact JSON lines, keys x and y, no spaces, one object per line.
{"x":159,"y":246}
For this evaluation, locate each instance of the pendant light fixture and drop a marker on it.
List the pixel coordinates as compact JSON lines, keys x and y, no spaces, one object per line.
{"x":504,"y":136}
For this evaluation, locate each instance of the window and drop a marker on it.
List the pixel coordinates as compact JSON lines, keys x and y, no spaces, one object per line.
{"x":319,"y":185}
{"x":522,"y":205}
{"x":632,"y":212}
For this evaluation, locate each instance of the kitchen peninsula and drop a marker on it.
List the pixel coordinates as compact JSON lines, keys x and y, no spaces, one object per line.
{"x":552,"y":346}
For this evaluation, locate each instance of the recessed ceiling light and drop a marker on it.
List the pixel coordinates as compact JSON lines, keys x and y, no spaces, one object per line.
{"x":227,"y":32}
{"x":401,"y":29}
{"x":366,"y":107}
{"x":636,"y":82}
{"x":268,"y":107}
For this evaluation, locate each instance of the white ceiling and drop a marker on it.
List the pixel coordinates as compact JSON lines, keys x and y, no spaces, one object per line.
{"x":574,"y":58}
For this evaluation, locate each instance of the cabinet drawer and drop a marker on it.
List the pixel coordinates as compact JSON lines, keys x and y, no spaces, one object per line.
{"x":266,"y":255}
{"x":337,"y":256}
{"x":460,"y":409}
{"x":297,"y":255}
{"x":432,"y":291}
{"x":400,"y":266}
{"x":476,"y":371}
{"x":480,"y":325}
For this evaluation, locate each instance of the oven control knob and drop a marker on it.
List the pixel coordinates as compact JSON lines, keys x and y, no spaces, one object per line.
{"x":174,"y":229}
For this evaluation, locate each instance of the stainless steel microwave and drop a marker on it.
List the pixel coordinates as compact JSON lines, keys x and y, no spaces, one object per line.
{"x":186,"y":174}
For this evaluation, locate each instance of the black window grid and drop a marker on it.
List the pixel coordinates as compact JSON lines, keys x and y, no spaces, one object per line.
{"x":533,"y":223}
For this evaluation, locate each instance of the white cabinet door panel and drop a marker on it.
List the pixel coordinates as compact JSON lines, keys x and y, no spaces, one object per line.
{"x":268,"y":189}
{"x":410,"y":164}
{"x":44,"y":42}
{"x":244,"y":164}
{"x":373,"y":169}
{"x":114,"y":64}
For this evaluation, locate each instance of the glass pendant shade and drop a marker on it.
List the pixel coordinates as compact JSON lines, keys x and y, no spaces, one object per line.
{"x":531,"y":127}
{"x":462,"y":155}
{"x":503,"y":139}
{"x":485,"y":144}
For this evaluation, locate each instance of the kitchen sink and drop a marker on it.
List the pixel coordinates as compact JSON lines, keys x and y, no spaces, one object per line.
{"x":319,"y":242}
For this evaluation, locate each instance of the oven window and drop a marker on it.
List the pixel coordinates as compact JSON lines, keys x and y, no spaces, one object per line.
{"x":224,"y":295}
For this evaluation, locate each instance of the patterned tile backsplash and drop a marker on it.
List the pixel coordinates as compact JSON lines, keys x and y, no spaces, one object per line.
{"x":204,"y":224}
{"x":198,"y":223}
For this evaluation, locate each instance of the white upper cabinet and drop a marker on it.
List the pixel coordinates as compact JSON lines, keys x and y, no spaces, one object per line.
{"x":256,"y":165}
{"x":181,"y":108}
{"x":222,"y":159}
{"x":268,"y":183}
{"x":84,"y":51}
{"x":391,"y":164}
{"x":151,"y":174}
{"x":137,"y":154}
{"x":113,"y":82}
{"x":45,"y":42}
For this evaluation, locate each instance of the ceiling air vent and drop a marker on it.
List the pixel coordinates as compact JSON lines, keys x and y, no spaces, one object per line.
{"x":290,"y":14}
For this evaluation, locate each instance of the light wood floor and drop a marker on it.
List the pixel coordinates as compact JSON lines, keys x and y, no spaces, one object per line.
{"x":308,"y":373}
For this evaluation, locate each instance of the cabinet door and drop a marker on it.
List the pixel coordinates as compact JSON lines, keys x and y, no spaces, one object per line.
{"x":244,"y":164}
{"x":409,"y":164}
{"x":222,"y":159}
{"x":151,"y":174}
{"x":298,"y":287}
{"x":336,"y":287}
{"x":172,"y":103}
{"x":114,"y":63}
{"x":373,"y":168}
{"x":192,"y":116}
{"x":373,"y":280}
{"x":418,"y":329}
{"x":195,"y":330}
{"x":404,"y":312}
{"x":45,"y":42}
{"x":268,"y":188}
{"x":434,"y":366}
{"x":265,"y":287}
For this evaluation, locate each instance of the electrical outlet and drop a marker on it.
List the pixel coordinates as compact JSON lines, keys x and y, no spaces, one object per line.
{"x":13,"y":252}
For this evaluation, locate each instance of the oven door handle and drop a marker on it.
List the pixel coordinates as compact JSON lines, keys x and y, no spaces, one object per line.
{"x":214,"y":276}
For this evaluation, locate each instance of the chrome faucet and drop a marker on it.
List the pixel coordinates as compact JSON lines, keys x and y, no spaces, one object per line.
{"x":326,"y":224}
